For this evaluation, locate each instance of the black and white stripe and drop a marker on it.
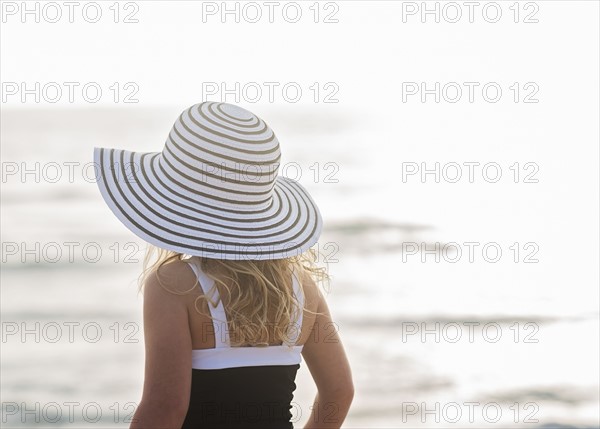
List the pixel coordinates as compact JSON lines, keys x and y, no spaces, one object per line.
{"x":213,"y":191}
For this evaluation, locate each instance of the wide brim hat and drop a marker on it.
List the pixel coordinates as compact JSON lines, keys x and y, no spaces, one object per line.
{"x":213,"y":191}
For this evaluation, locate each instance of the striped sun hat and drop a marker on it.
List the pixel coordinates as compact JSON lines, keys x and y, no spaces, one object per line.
{"x":213,"y":191}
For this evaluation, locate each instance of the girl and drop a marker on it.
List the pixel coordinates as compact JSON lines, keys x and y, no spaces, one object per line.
{"x":231,"y":303}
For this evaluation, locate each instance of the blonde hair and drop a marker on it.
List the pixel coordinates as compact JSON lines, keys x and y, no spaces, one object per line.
{"x":260,"y":292}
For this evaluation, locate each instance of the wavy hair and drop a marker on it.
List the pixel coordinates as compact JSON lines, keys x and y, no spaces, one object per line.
{"x":261,"y":299}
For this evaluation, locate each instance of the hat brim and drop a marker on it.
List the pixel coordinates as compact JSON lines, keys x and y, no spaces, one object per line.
{"x":182,"y":221}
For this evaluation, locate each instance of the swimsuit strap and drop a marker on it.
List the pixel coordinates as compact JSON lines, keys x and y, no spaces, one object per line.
{"x":218,"y":313}
{"x":296,"y":324}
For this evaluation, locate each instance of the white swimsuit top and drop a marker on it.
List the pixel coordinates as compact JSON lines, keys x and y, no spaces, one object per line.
{"x":226,"y":356}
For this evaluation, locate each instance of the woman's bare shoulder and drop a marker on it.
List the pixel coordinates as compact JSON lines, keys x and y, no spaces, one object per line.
{"x":311,"y":289}
{"x":176,"y":277}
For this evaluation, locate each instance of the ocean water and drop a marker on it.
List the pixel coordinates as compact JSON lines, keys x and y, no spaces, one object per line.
{"x":434,"y":339}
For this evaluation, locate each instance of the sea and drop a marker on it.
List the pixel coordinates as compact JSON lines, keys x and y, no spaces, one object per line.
{"x":461,"y":303}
